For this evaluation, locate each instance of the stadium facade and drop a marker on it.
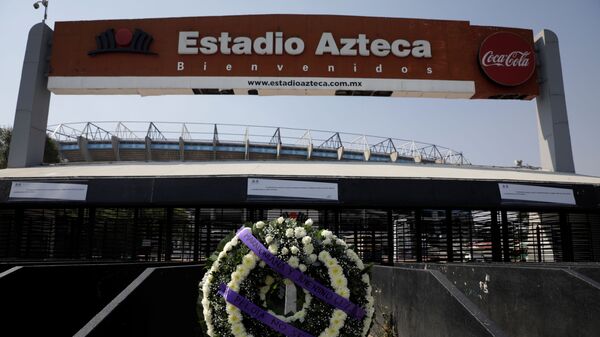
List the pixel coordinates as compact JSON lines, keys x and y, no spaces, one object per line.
{"x":165,"y":191}
{"x":99,"y":232}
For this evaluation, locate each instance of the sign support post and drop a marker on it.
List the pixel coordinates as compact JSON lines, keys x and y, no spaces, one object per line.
{"x":31,"y":116}
{"x":554,"y":137}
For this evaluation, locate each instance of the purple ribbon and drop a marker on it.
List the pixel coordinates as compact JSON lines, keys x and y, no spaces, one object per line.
{"x":259,"y":314}
{"x":304,"y":281}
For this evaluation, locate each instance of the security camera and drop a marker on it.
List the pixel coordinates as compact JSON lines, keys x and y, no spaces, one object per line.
{"x":44,"y":3}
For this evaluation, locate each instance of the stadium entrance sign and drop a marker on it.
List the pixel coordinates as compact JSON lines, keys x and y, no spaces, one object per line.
{"x":293,"y":55}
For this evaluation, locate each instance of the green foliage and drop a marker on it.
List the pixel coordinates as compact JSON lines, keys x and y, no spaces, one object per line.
{"x":5,"y":134}
{"x":51,"y":153}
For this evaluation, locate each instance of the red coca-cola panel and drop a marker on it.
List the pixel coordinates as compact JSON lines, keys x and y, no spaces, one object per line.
{"x":507,"y":59}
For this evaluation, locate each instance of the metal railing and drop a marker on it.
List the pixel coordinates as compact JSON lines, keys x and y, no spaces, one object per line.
{"x":267,"y":135}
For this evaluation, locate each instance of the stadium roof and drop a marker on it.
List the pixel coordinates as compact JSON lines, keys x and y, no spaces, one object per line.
{"x":294,"y":169}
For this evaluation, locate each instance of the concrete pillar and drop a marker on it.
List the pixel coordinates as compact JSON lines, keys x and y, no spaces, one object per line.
{"x":82,"y":142}
{"x":553,"y":124}
{"x":340,"y":153}
{"x":31,"y":115}
{"x":148,"y":142}
{"x":181,"y":149}
{"x":115,"y":142}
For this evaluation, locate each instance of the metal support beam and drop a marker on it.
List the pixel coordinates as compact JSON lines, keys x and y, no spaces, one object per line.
{"x":390,"y":238}
{"x":196,"y":234}
{"x":418,"y":235}
{"x":496,"y":240}
{"x":31,"y":116}
{"x":208,"y":248}
{"x":135,"y":235}
{"x":566,"y":238}
{"x":556,"y":153}
{"x":90,"y":230}
{"x":505,"y":247}
{"x":449,"y":236}
{"x":169,"y":234}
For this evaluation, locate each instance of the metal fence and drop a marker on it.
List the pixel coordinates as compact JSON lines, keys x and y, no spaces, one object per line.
{"x":382,"y":236}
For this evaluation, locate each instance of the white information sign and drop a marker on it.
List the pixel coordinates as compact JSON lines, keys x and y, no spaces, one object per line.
{"x":52,"y":191}
{"x":537,"y":194}
{"x":292,"y":189}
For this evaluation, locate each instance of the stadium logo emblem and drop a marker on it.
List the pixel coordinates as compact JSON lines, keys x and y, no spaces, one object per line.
{"x":507,"y":59}
{"x":123,"y":41}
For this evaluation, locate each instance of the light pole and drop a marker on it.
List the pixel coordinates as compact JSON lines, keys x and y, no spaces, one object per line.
{"x":44,"y":3}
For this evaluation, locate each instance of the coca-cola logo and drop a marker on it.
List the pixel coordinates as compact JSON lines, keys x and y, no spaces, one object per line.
{"x":507,"y":58}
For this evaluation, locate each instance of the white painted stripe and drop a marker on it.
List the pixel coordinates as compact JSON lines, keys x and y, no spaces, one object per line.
{"x":182,"y":84}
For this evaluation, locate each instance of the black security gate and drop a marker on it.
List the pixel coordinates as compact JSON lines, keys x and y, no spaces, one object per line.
{"x":383,"y":236}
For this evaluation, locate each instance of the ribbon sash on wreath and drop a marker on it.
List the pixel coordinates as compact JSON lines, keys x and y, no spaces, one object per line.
{"x":285,"y":270}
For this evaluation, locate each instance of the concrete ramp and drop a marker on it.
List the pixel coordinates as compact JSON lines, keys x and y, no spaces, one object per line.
{"x":490,"y":300}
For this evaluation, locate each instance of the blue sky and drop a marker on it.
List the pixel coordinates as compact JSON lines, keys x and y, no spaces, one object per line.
{"x":488,"y":132}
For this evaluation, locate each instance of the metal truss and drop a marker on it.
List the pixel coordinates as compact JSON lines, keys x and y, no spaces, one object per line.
{"x":253,"y":134}
{"x":154,"y":133}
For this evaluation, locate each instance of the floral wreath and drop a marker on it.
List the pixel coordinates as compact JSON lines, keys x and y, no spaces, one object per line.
{"x":238,"y":294}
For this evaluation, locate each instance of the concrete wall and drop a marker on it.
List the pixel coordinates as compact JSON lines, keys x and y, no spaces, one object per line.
{"x":549,"y":300}
{"x":422,"y":305}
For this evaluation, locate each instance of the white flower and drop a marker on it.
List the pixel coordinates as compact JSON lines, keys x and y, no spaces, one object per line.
{"x":269,"y":239}
{"x":312,"y":258}
{"x":359,"y":264}
{"x":339,"y":282}
{"x":273,"y":248}
{"x":341,"y":242}
{"x":327,"y":241}
{"x":284,"y":251}
{"x":294,"y":262}
{"x":335,"y":270}
{"x":299,"y":232}
{"x":331,"y":261}
{"x":327,"y":234}
{"x":344,"y":292}
{"x":262,"y":264}
{"x":249,"y":260}
{"x":269,"y":280}
{"x":308,"y":222}
{"x":280,"y":220}
{"x":308,"y":249}
{"x":323,"y":255}
{"x":302,"y":268}
{"x":365,"y":278}
{"x":260,"y":224}
{"x":294,"y":250}
{"x":306,"y":240}
{"x":289,"y":232}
